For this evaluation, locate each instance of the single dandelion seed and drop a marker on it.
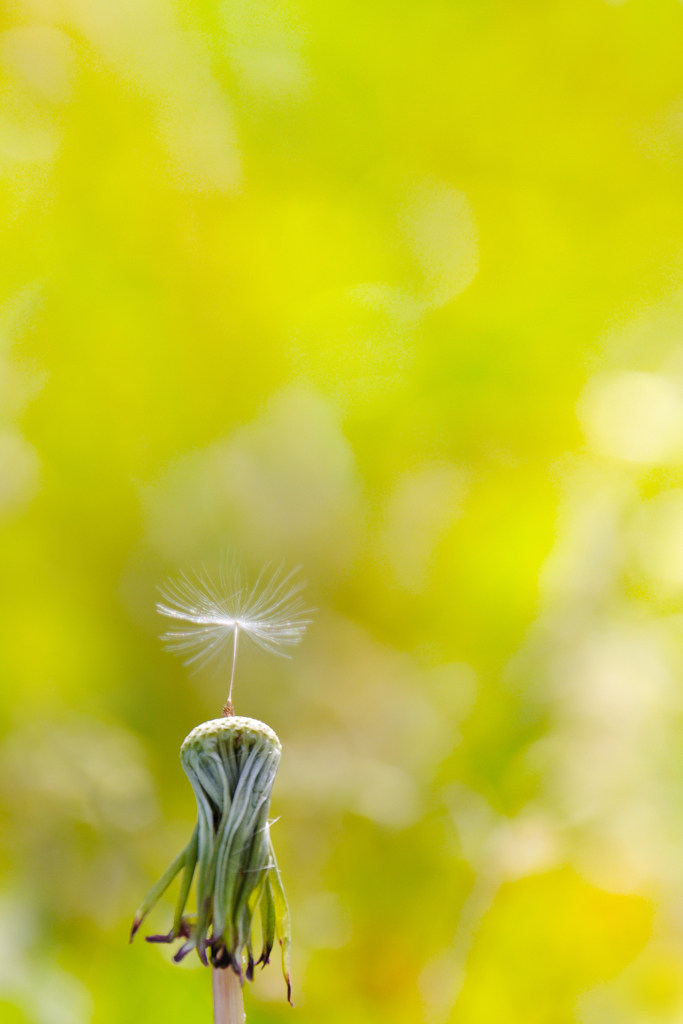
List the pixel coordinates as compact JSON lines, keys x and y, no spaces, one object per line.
{"x":271,"y":615}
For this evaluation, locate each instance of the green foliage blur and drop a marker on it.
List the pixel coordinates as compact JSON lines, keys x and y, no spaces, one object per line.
{"x":391,"y":291}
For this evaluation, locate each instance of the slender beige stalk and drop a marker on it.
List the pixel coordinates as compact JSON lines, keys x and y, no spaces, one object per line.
{"x":228,"y":1003}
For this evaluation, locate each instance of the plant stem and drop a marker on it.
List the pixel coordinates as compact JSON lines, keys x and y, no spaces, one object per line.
{"x":228,"y":1004}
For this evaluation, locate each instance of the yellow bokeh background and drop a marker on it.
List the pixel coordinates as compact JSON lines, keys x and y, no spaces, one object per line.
{"x":391,"y":291}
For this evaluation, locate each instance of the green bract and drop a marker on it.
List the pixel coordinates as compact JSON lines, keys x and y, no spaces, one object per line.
{"x":231,"y":764}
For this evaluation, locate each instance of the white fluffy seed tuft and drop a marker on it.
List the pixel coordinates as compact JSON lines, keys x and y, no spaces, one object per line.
{"x":271,"y":614}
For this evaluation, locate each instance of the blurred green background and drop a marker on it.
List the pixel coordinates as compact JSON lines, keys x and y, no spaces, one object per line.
{"x":393,"y":291}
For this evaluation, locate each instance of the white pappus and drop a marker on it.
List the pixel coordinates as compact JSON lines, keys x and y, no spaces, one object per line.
{"x":271,"y":614}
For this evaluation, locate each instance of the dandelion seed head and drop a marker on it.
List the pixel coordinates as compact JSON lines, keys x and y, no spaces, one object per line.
{"x":271,"y":614}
